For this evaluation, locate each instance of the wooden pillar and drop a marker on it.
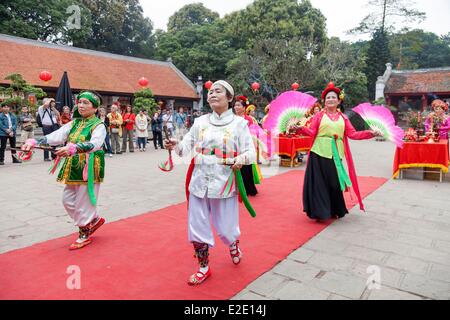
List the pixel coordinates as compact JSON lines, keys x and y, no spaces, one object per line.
{"x":424,"y":103}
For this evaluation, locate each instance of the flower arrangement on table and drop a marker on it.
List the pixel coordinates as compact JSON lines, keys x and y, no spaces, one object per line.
{"x":416,"y":131}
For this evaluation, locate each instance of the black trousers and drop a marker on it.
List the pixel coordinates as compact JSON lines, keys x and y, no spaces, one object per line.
{"x":12,"y":143}
{"x":157,"y":139}
{"x":47,"y":130}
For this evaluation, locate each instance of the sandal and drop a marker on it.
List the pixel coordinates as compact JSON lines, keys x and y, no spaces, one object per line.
{"x":83,"y":235}
{"x":79,"y":245}
{"x":236,"y":254}
{"x":198,"y":277}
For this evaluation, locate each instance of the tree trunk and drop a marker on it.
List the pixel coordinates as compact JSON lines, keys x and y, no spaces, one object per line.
{"x":384,"y":15}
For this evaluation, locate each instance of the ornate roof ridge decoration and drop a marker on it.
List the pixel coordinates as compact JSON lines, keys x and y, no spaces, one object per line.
{"x":441,"y":69}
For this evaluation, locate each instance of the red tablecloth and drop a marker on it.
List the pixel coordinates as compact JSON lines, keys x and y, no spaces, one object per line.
{"x":422,"y":155}
{"x":289,"y":146}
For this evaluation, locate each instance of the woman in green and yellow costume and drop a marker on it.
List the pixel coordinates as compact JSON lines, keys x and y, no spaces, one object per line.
{"x":325,"y":177}
{"x":82,"y":164}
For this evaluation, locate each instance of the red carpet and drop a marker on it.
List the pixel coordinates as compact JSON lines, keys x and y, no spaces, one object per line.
{"x":148,"y":256}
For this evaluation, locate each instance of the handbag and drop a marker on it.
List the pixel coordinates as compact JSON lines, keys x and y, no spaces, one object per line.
{"x":55,"y":126}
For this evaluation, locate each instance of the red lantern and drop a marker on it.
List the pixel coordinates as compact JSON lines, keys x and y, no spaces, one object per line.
{"x":295,"y":86}
{"x":45,"y":76}
{"x":255,"y":86}
{"x":143,"y":82}
{"x":208,"y":84}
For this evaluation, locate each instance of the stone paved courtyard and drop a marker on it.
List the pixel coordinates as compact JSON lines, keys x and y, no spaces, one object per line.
{"x":403,"y":239}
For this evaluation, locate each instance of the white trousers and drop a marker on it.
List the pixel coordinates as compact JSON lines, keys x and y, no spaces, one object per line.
{"x":78,"y":205}
{"x":224,"y":214}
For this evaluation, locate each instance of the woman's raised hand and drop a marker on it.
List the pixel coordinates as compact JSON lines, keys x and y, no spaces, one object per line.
{"x":377,"y":133}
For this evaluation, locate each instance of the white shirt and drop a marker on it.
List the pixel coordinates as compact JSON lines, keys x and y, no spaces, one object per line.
{"x":226,"y":132}
{"x":9,"y":121}
{"x":168,"y":119}
{"x":45,"y":116}
{"x":60,"y":136}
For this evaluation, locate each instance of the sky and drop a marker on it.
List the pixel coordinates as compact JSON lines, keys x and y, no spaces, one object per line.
{"x":340,"y":18}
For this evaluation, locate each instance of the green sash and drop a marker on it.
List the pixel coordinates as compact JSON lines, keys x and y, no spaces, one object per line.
{"x":344,"y":179}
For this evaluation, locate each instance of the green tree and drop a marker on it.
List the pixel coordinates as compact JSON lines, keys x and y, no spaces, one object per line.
{"x":220,"y":48}
{"x":197,"y":50}
{"x":45,"y":20}
{"x":275,"y":64}
{"x":194,"y":14}
{"x":386,"y":14}
{"x":377,"y":56}
{"x":419,"y":49}
{"x":343,"y":64}
{"x":119,"y":26}
{"x":143,"y":99}
{"x":116,"y":26}
{"x":278,"y":19}
{"x":18,"y":91}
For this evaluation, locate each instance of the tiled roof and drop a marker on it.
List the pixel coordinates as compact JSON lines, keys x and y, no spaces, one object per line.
{"x":419,"y":81}
{"x":88,"y":69}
